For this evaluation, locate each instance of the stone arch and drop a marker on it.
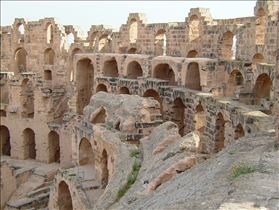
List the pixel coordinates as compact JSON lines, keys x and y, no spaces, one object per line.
{"x":70,"y":39}
{"x":49,"y":56}
{"x":178,"y":110}
{"x":84,"y":82}
{"x":235,"y":79}
{"x":54,"y":147}
{"x":20,"y":28}
{"x":132,"y":50}
{"x":257,"y":58}
{"x":27,"y":99}
{"x":219,"y":132}
{"x":134,"y":70}
{"x":20,"y":61}
{"x":64,"y":197}
{"x":192,"y":80}
{"x":124,"y":90}
{"x":262,"y":87}
{"x":98,"y":116}
{"x":156,"y":96}
{"x":160,"y":42}
{"x":3,"y":113}
{"x":238,"y":132}
{"x":226,"y":45}
{"x":133,"y":30}
{"x":29,"y":145}
{"x":47,"y":74}
{"x":101,"y":87}
{"x":93,"y":38}
{"x":49,"y":34}
{"x":105,"y":170}
{"x":199,"y":119}
{"x":260,"y":27}
{"x":86,"y":155}
{"x":74,"y":51}
{"x":104,"y":44}
{"x":165,"y":72}
{"x":192,"y":54}
{"x":194,"y":31}
{"x":110,"y":68}
{"x":5,"y":141}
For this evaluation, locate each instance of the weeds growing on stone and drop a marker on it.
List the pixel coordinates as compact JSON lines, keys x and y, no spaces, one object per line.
{"x":241,"y":168}
{"x":134,"y":152}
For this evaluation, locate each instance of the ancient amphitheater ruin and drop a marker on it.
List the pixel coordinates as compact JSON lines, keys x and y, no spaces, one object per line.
{"x":77,"y":117}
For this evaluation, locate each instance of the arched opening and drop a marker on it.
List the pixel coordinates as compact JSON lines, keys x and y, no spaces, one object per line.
{"x":160,"y":41}
{"x":194,"y":31}
{"x":110,"y":68}
{"x":99,"y":116}
{"x":262,"y":87}
{"x":86,"y":155}
{"x":156,"y":96}
{"x":5,"y":141}
{"x":260,"y":27}
{"x":226,"y":45}
{"x":84,"y":82}
{"x":192,"y":80}
{"x":132,"y":50}
{"x":219,"y":133}
{"x":75,"y":51}
{"x":54,"y":147}
{"x":3,"y":113}
{"x":64,"y":197}
{"x":105,"y":171}
{"x":49,"y":33}
{"x":104,"y":44}
{"x":178,"y":116}
{"x":27,"y":99}
{"x":238,"y":132}
{"x":47,"y":75}
{"x":199,"y":119}
{"x":235,"y":79}
{"x":20,"y":58}
{"x":21,"y":28}
{"x":257,"y":58}
{"x":133,"y":30}
{"x":234,"y":46}
{"x":164,"y":71}
{"x":101,"y":87}
{"x":134,"y":70}
{"x":49,"y":55}
{"x":192,"y":54}
{"x":29,"y":144}
{"x":70,"y":39}
{"x":124,"y":90}
{"x":93,"y":39}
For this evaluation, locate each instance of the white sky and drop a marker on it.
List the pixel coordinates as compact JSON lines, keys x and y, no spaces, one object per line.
{"x":115,"y":13}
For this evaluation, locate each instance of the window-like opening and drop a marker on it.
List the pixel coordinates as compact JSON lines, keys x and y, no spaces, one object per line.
{"x":235,"y":79}
{"x":3,"y":113}
{"x":133,"y":30}
{"x":21,"y":28}
{"x":124,"y":90}
{"x":164,"y":71}
{"x":110,"y":68}
{"x":134,"y":70}
{"x":86,"y":155}
{"x":70,"y":39}
{"x":178,"y":116}
{"x":238,"y":132}
{"x":104,"y":44}
{"x":260,"y":27}
{"x":5,"y":141}
{"x":75,"y":51}
{"x":234,"y":46}
{"x":132,"y":50}
{"x":47,"y":75}
{"x":49,"y":55}
{"x":64,"y":197}
{"x":192,"y":54}
{"x":84,"y":82}
{"x":226,"y":45}
{"x":29,"y":144}
{"x":54,"y":147}
{"x":219,"y":133}
{"x":105,"y":171}
{"x":194,"y":31}
{"x":49,"y":33}
{"x":257,"y":58}
{"x":27,"y":99}
{"x":93,"y":39}
{"x":20,"y":59}
{"x":262,"y":88}
{"x":192,"y":80}
{"x":101,"y":87}
{"x":156,"y":96}
{"x":160,"y":42}
{"x":99,"y":116}
{"x":199,"y":119}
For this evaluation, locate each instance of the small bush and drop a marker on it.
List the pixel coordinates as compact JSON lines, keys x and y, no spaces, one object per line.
{"x":136,"y":166}
{"x":72,"y":174}
{"x":231,"y":152}
{"x":112,"y":79}
{"x":132,"y":177}
{"x":241,"y":168}
{"x":134,"y":152}
{"x":267,"y":99}
{"x":152,"y":118}
{"x":121,"y":192}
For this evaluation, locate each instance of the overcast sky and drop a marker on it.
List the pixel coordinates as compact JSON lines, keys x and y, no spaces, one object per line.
{"x":115,"y":13}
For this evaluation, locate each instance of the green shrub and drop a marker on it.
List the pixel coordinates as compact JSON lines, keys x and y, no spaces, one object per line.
{"x":72,"y":174}
{"x":112,"y":79}
{"x":134,"y":152}
{"x":136,"y":166}
{"x":241,"y":168}
{"x":121,"y":192}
